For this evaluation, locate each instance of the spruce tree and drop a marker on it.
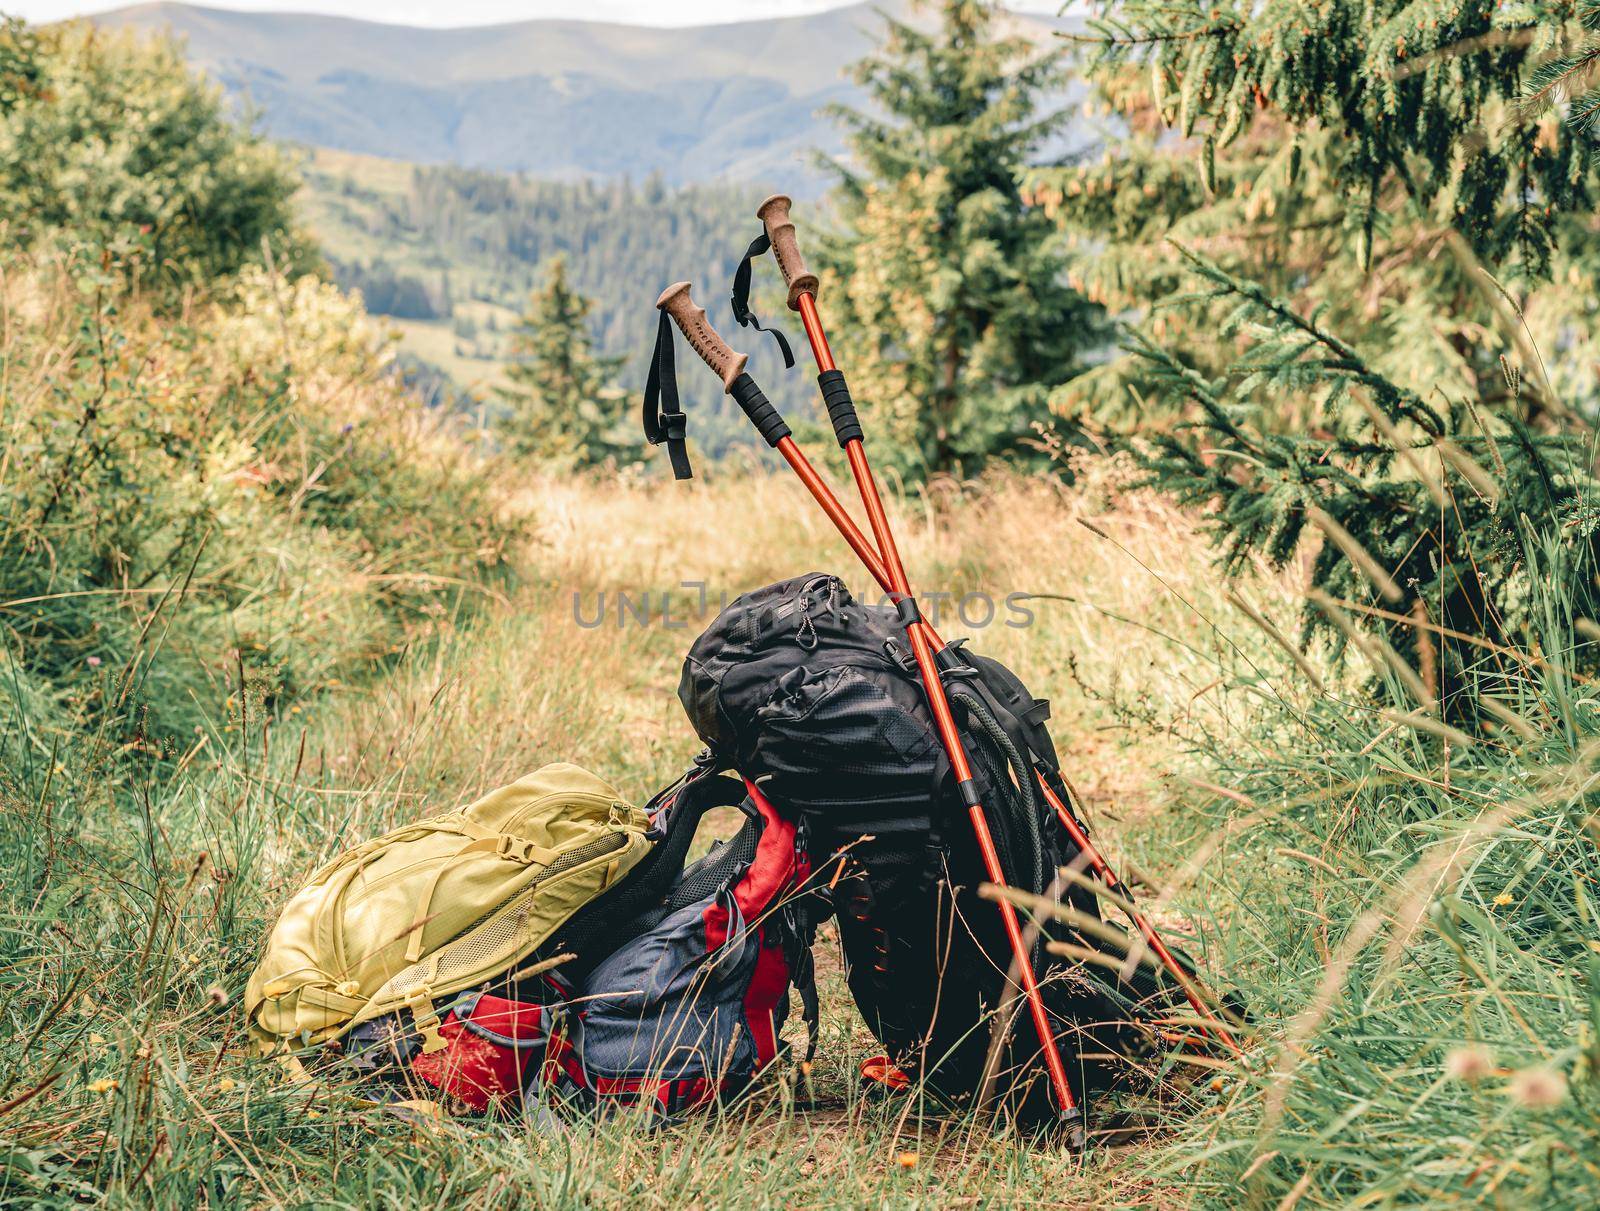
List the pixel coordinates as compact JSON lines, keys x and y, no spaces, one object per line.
{"x":563,"y":406}
{"x":1458,"y":103}
{"x":1432,"y":515}
{"x":1386,"y":209}
{"x":1421,"y":173}
{"x":952,"y":306}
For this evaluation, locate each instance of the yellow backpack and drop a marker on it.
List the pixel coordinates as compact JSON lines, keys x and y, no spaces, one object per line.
{"x":439,"y":906}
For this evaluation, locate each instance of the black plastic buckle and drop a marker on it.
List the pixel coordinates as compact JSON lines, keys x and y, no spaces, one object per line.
{"x":899,"y":655}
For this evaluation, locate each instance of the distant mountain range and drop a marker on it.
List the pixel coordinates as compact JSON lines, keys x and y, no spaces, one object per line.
{"x":554,"y":99}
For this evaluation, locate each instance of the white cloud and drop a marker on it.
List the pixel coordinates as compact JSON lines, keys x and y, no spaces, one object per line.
{"x":487,"y":12}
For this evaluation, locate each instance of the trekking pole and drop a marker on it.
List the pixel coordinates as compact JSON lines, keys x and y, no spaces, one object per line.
{"x":803,"y":284}
{"x":729,"y":366}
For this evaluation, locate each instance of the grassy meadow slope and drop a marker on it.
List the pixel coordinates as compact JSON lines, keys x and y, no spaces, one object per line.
{"x":135,"y":1084}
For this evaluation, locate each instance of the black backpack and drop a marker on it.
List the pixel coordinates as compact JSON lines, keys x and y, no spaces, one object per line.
{"x":815,"y":696}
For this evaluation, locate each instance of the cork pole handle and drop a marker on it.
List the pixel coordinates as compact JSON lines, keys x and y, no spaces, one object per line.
{"x":774,"y":215}
{"x":702,"y":337}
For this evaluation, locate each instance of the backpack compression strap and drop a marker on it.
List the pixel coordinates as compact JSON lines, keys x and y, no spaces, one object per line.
{"x":664,"y":419}
{"x":800,"y":936}
{"x":741,"y":298}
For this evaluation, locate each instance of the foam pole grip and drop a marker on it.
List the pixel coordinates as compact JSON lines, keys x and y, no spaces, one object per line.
{"x":841,"y":408}
{"x":691,"y":319}
{"x":759,"y":409}
{"x":774,"y":216}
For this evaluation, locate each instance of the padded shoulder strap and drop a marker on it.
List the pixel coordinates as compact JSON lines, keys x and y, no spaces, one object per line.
{"x":677,"y":814}
{"x":682,"y":804}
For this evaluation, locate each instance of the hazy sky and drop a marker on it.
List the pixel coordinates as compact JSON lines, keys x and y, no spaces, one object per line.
{"x":482,"y":12}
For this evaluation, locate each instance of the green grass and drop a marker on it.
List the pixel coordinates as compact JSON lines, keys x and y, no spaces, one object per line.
{"x":1338,"y":883}
{"x":120,"y":937}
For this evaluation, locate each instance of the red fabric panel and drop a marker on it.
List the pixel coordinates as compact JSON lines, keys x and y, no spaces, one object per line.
{"x":768,"y":985}
{"x":671,"y":1097}
{"x":778,"y":871}
{"x":477,"y":1070}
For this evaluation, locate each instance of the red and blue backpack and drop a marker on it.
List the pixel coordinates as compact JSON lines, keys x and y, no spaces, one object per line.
{"x":671,"y":991}
{"x":692,"y":1008}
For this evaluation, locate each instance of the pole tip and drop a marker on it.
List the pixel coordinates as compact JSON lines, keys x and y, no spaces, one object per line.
{"x":1077,"y":1138}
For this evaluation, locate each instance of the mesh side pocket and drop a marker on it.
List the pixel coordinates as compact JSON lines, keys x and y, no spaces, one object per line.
{"x":501,"y":935}
{"x":495,"y":935}
{"x":492,"y":940}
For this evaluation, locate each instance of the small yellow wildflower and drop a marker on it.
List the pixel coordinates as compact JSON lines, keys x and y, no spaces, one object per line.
{"x":104,"y":1085}
{"x":907,"y":1160}
{"x":227,"y":1084}
{"x":1503,"y":899}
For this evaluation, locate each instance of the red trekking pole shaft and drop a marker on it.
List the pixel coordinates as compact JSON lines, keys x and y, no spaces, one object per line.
{"x":890,"y":573}
{"x":730,"y":367}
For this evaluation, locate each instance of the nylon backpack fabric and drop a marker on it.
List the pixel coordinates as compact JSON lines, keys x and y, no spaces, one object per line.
{"x":433,"y":908}
{"x":668,"y":992}
{"x":691,"y":1010}
{"x":816,"y":695}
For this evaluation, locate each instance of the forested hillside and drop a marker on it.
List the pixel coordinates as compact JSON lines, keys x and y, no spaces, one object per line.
{"x":453,"y":255}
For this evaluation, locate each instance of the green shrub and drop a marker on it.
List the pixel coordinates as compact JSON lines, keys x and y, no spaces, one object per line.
{"x":105,"y":137}
{"x":241,"y":493}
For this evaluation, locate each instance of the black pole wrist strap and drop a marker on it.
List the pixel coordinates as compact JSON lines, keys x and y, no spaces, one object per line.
{"x":664,"y":419}
{"x":741,"y":298}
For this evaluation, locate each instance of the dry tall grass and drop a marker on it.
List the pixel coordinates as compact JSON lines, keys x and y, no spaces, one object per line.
{"x":1106,"y":579}
{"x":533,"y":677}
{"x":1191,"y":730}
